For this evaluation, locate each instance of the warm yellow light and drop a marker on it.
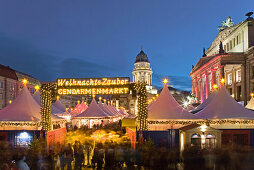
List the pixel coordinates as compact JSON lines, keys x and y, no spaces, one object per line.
{"x":57,"y":97}
{"x":10,"y":101}
{"x":78,"y":101}
{"x":100,"y":98}
{"x":37,"y":87}
{"x":252,"y":94}
{"x":222,"y":80}
{"x":165,"y":81}
{"x":203,"y":128}
{"x":93,"y":95}
{"x":24,"y":81}
{"x":215,"y":86}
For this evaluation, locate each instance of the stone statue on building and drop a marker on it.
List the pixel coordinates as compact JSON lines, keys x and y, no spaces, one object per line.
{"x":204,"y":54}
{"x":221,"y":50}
{"x":225,"y":24}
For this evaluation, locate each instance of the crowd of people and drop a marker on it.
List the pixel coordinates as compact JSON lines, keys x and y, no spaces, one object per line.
{"x":121,"y":156}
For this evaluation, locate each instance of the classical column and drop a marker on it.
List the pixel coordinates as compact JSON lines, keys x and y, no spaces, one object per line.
{"x":201,"y":89}
{"x":243,"y":84}
{"x":197,"y":91}
{"x":193,"y":86}
{"x":206,"y":85}
{"x":221,"y":74}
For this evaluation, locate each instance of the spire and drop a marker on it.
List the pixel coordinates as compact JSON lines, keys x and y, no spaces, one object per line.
{"x":221,"y":51}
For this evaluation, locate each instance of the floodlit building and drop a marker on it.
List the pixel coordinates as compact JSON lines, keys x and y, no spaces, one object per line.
{"x":230,"y":56}
{"x":11,"y":84}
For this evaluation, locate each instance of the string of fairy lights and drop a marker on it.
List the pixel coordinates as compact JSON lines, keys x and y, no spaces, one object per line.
{"x":46,"y":101}
{"x":142,"y":105}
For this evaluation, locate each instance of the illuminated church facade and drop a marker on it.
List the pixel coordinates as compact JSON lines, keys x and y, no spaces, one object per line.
{"x":230,"y":56}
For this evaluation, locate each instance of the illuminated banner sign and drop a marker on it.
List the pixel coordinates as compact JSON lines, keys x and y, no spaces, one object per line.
{"x":93,"y":86}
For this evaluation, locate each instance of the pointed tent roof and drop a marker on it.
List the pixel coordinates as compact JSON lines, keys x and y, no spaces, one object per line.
{"x":123,"y":111}
{"x":110,"y":109}
{"x":166,"y":107}
{"x":190,"y":108}
{"x":114,"y":110}
{"x":59,"y":105}
{"x":250,"y":105}
{"x":23,"y":108}
{"x":105,"y":109}
{"x":205,"y":102}
{"x":37,"y":98}
{"x":223,"y":106}
{"x":93,"y":111}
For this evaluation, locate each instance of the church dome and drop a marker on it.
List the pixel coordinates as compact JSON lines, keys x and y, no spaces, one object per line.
{"x":142,"y":57}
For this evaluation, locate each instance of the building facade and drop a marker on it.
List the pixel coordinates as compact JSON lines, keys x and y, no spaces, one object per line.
{"x":142,"y":72}
{"x":11,"y":84}
{"x":230,"y":56}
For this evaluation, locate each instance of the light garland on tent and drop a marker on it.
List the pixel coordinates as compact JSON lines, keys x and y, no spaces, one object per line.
{"x":142,"y":105}
{"x":187,"y":122}
{"x":27,"y":123}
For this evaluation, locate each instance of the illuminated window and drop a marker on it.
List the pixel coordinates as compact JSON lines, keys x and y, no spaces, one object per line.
{"x":1,"y":96}
{"x":1,"y":85}
{"x":238,"y":75}
{"x":230,"y":78}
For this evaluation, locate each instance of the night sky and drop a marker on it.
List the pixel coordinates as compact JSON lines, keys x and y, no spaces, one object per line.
{"x":49,"y":39}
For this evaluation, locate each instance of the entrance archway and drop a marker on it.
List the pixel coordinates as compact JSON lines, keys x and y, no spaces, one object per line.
{"x":118,"y":85}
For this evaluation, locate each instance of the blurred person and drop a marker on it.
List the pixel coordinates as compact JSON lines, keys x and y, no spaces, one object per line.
{"x":119,"y":156}
{"x":101,"y":155}
{"x":41,"y":164}
{"x":109,"y":158}
{"x":62,"y":160}
{"x":69,"y":156}
{"x":95,"y":157}
{"x":88,"y":152}
{"x":22,"y":165}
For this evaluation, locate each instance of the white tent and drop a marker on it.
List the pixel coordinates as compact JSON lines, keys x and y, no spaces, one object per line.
{"x":166,"y":107}
{"x":223,"y":106}
{"x":23,"y":108}
{"x":93,"y":111}
{"x":37,"y":98}
{"x":250,"y":105}
{"x":59,"y":105}
{"x":105,"y":109}
{"x":205,"y":102}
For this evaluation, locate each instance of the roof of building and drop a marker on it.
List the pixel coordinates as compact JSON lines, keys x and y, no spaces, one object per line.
{"x":23,"y":108}
{"x":166,"y":107}
{"x":141,"y":57}
{"x":105,"y":109}
{"x":59,"y":105}
{"x":223,"y":106}
{"x":250,"y":105}
{"x":93,"y":111}
{"x":7,"y":72}
{"x":37,"y":98}
{"x":205,"y":102}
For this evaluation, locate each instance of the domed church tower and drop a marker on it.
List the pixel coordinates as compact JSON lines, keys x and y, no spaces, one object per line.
{"x":142,"y":71}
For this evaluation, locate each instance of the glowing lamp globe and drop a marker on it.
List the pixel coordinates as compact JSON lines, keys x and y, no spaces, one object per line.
{"x":222,"y":80}
{"x":252,"y":94}
{"x":24,"y":81}
{"x":215,"y":86}
{"x":165,"y":81}
{"x":37,"y":87}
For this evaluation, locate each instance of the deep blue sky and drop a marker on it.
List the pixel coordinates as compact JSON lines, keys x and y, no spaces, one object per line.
{"x":79,"y":38}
